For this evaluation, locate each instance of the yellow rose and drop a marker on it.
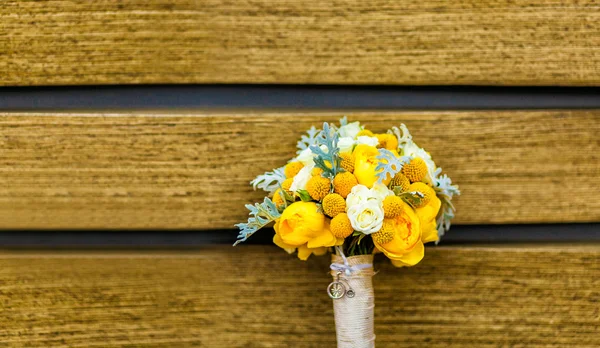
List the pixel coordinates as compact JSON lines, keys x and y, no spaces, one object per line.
{"x":406,"y":247}
{"x":302,"y":227}
{"x":365,"y":162}
{"x":427,"y":215}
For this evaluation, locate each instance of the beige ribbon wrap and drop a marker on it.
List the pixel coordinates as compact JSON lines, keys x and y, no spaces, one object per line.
{"x":354,"y":316}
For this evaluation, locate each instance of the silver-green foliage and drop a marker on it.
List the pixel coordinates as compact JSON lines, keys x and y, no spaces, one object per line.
{"x":389,"y":164}
{"x":261,"y":214}
{"x":445,"y":191}
{"x":344,"y":121}
{"x":269,"y":181}
{"x":328,"y":160}
{"x":308,"y":140}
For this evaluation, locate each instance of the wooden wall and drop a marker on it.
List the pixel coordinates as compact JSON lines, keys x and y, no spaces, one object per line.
{"x":521,"y":296}
{"x":189,"y":169}
{"x":410,"y":42}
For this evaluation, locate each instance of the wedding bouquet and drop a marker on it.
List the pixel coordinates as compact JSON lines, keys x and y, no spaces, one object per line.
{"x":354,"y":193}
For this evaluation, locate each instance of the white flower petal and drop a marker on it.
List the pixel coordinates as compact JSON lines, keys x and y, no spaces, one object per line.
{"x":371,"y":141}
{"x":350,"y":130}
{"x":301,"y":179}
{"x":346,"y":145}
{"x":366,"y":217}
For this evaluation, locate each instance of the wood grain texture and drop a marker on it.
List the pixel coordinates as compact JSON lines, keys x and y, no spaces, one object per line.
{"x":524,"y":42}
{"x":191,"y":170}
{"x":528,"y":296}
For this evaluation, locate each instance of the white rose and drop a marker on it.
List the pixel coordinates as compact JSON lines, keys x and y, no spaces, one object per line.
{"x":346,"y":145}
{"x":350,"y":130}
{"x":359,"y":194}
{"x":371,"y":141}
{"x":301,"y":179}
{"x":380,"y":191}
{"x":306,"y":157}
{"x":366,"y":217}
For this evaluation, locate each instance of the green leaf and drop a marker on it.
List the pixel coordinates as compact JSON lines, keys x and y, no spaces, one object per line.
{"x":286,"y":196}
{"x":413,"y":198}
{"x":304,"y":196}
{"x":360,"y":238}
{"x":397,"y":190}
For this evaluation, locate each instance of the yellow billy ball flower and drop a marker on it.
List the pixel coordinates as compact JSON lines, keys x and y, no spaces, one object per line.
{"x":278,"y":198}
{"x":286,"y":184}
{"x":316,"y":171}
{"x":365,"y":133}
{"x":387,"y":141}
{"x":334,"y":204}
{"x":400,"y":180}
{"x":425,"y":189}
{"x":347,"y":162}
{"x":292,"y":168}
{"x":341,"y":226}
{"x":343,"y":183}
{"x":318,"y":187}
{"x":416,"y":170}
{"x":392,"y":206}
{"x":387,"y":232}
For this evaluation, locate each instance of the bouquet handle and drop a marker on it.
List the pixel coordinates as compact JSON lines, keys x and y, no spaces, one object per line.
{"x":353,"y":300}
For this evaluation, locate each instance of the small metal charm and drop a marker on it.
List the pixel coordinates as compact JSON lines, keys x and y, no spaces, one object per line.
{"x":336,"y":290}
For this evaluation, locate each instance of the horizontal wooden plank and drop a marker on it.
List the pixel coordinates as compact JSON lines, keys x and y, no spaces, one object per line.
{"x":525,"y":42}
{"x":530,"y":296}
{"x":191,"y":170}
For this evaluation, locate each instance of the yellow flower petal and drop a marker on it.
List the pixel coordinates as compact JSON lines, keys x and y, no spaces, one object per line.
{"x":304,"y":252}
{"x":365,"y":162}
{"x":427,"y":217}
{"x":411,"y":258}
{"x":326,"y":239}
{"x":277,"y":241}
{"x":406,"y":246}
{"x":320,"y":251}
{"x":301,"y":222}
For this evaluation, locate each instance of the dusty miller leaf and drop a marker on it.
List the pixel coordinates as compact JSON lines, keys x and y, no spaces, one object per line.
{"x":328,"y":160}
{"x":445,"y":191}
{"x":261,"y":214}
{"x":269,"y":181}
{"x":389,"y":164}
{"x":344,"y":121}
{"x":308,"y":140}
{"x":402,"y":134}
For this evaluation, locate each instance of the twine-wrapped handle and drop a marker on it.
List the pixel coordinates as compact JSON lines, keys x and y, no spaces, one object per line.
{"x":354,"y":315}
